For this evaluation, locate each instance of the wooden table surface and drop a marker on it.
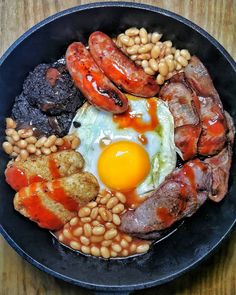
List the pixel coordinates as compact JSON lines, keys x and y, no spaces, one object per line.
{"x":217,"y":276}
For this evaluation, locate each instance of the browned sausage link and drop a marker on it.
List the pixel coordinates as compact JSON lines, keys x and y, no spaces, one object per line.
{"x":119,"y":68}
{"x":95,"y":86}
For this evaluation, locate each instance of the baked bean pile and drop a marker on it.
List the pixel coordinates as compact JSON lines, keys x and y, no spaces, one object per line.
{"x":95,"y":230}
{"x":21,"y":143}
{"x":156,"y":57}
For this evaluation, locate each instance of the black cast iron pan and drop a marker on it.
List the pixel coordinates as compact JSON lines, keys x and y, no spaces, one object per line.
{"x":190,"y":243}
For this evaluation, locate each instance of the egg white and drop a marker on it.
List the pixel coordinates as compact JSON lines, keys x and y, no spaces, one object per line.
{"x":97,"y":125}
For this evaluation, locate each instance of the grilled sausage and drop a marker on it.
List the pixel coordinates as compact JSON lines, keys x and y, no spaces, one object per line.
{"x":52,"y":204}
{"x":119,"y":68}
{"x":92,"y":82}
{"x":43,"y":168}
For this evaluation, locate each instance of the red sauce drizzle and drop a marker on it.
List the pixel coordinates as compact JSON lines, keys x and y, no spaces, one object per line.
{"x":164,"y":215}
{"x":59,"y":195}
{"x":36,"y":178}
{"x":37,"y":211}
{"x":143,"y":139}
{"x":16,"y":178}
{"x":129,"y":119}
{"x":53,"y":168}
{"x":188,"y":172}
{"x":66,"y":145}
{"x":133,"y":200}
{"x":215,"y":128}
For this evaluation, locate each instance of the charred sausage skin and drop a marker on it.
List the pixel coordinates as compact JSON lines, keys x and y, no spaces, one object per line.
{"x":92,"y":82}
{"x":119,"y":68}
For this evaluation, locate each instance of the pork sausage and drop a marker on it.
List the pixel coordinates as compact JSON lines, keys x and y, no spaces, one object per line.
{"x":92,"y":82}
{"x":120,"y":69}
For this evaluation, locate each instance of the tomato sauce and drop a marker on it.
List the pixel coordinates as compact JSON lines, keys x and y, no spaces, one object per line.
{"x":16,"y":178}
{"x":129,"y":119}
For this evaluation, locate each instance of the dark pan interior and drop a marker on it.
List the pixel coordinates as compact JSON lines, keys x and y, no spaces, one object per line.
{"x":199,"y":235}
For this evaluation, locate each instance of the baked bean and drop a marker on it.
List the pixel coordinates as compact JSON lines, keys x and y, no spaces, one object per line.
{"x":170,"y":64}
{"x":124,"y":243}
{"x":106,"y":243}
{"x":180,"y":59}
{"x":103,"y":213}
{"x":138,"y":62}
{"x":143,"y":36}
{"x":45,"y":151}
{"x":168,"y":51}
{"x":31,"y":139}
{"x":105,"y":252}
{"x":105,"y":199}
{"x":16,"y":149}
{"x":94,"y":213}
{"x":133,"y":57}
{"x":149,"y":37}
{"x":15,"y":136}
{"x":85,"y":249}
{"x":13,"y":155}
{"x":24,"y":154}
{"x":144,"y":63}
{"x":149,"y":71}
{"x":86,"y":219}
{"x":133,"y":49}
{"x":87,"y":230}
{"x":173,"y":50}
{"x":132,"y":32}
{"x":8,"y":148}
{"x":131,"y":43}
{"x":124,"y":40}
{"x":113,"y":254}
{"x":178,"y":66}
{"x":125,"y":252}
{"x":95,"y":251}
{"x":177,"y":53}
{"x":67,"y":234}
{"x":121,"y":197}
{"x":22,"y":144}
{"x":116,"y":247}
{"x":84,"y":212}
{"x":112,"y":202}
{"x":10,"y":123}
{"x":163,"y":68}
{"x":50,"y":141}
{"x":137,"y":40}
{"x":75,"y":245}
{"x":92,"y":204}
{"x":75,"y":143}
{"x":78,"y":231}
{"x":142,"y":248}
{"x":110,"y":225}
{"x":85,"y":241}
{"x":53,"y":148}
{"x":61,"y":238}
{"x":160,"y":79}
{"x":10,"y":140}
{"x":74,"y":221}
{"x":98,"y":230}
{"x":69,"y":137}
{"x":117,"y":238}
{"x":155,"y":37}
{"x":155,"y":51}
{"x":185,"y":53}
{"x":145,"y":48}
{"x":10,"y":131}
{"x":133,"y":247}
{"x":168,"y":43}
{"x":59,"y":142}
{"x":95,"y":223}
{"x":116,"y":219}
{"x":40,"y":142}
{"x":110,"y":234}
{"x":153,"y":64}
{"x":38,"y":152}
{"x":128,"y":238}
{"x":118,"y":208}
{"x":96,"y":239}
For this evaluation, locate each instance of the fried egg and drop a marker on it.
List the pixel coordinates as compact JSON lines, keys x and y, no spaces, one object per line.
{"x":134,"y":150}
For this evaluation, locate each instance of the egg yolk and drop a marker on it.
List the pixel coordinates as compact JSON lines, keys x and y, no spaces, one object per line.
{"x":123,"y":165}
